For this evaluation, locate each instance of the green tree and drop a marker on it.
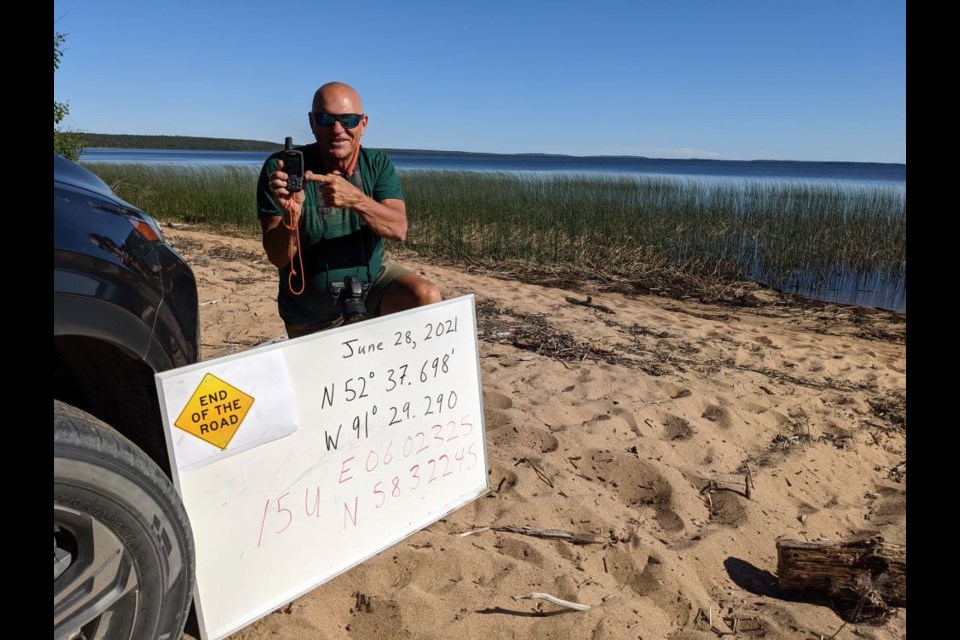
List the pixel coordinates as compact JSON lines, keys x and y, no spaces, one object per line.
{"x":66,"y":142}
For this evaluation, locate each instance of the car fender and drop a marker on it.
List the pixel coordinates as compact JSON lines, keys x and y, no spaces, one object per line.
{"x":75,"y":315}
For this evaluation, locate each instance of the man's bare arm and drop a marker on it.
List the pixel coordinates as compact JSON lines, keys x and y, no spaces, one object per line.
{"x":387,"y":218}
{"x":276,"y":240}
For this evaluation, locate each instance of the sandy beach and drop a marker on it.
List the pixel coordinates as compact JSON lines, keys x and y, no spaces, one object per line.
{"x":631,"y":420}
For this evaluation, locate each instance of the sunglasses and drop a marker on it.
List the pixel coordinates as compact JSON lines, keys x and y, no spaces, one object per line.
{"x":348,"y":120}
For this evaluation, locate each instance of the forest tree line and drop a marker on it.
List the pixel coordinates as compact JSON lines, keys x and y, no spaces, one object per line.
{"x":127,"y":141}
{"x":192,"y":143}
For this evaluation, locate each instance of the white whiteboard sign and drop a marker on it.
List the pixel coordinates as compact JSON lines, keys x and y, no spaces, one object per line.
{"x":297,"y":461}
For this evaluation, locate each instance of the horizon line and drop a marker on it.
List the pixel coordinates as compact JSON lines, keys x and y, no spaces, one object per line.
{"x":489,"y":153}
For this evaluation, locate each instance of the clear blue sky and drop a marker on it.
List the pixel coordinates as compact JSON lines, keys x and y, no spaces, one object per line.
{"x":729,"y":79}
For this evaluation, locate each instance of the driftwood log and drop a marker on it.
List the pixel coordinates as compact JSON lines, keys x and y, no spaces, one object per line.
{"x":869,"y":574}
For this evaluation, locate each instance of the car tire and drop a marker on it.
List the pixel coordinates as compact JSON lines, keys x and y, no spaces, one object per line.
{"x":123,"y":548}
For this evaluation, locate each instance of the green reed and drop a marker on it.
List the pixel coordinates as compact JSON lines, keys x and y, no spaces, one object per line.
{"x":217,"y":196}
{"x":619,"y":223}
{"x":611,"y":224}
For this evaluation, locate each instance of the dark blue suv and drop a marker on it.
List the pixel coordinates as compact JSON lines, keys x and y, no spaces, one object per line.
{"x":124,"y":308}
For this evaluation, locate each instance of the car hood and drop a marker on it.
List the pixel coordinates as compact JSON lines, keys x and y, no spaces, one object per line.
{"x":75,"y":175}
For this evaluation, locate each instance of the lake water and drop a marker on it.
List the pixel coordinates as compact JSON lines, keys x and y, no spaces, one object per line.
{"x":874,"y":290}
{"x":865,"y":173}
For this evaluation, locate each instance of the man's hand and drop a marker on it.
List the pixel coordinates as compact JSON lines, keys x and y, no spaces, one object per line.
{"x":291,"y":203}
{"x":335,"y":190}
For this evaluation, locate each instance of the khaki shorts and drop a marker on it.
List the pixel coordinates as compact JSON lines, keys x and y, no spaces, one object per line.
{"x":388,"y":274}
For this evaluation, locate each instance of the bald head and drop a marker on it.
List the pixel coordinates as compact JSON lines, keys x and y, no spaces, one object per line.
{"x":337,"y":97}
{"x":339,"y":145}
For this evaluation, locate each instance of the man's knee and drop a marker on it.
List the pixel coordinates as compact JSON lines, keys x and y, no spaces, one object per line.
{"x":426,"y":292}
{"x":409,"y":291}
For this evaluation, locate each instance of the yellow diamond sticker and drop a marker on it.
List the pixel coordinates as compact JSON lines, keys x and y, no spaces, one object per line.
{"x":215,"y":411}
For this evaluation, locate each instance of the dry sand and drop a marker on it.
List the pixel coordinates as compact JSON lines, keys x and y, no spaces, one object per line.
{"x":611,"y":420}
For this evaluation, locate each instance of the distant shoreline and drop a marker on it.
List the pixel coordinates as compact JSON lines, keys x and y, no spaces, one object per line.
{"x":194,"y":143}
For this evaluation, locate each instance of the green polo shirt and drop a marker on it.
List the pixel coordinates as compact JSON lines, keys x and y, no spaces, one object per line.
{"x":335,"y":242}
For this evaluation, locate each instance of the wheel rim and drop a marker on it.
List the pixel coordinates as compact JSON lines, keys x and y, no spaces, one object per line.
{"x":93,"y":575}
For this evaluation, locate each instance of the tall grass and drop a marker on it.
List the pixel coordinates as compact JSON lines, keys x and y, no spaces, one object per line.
{"x":215,"y":196}
{"x":776,"y":232}
{"x":769,"y":230}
